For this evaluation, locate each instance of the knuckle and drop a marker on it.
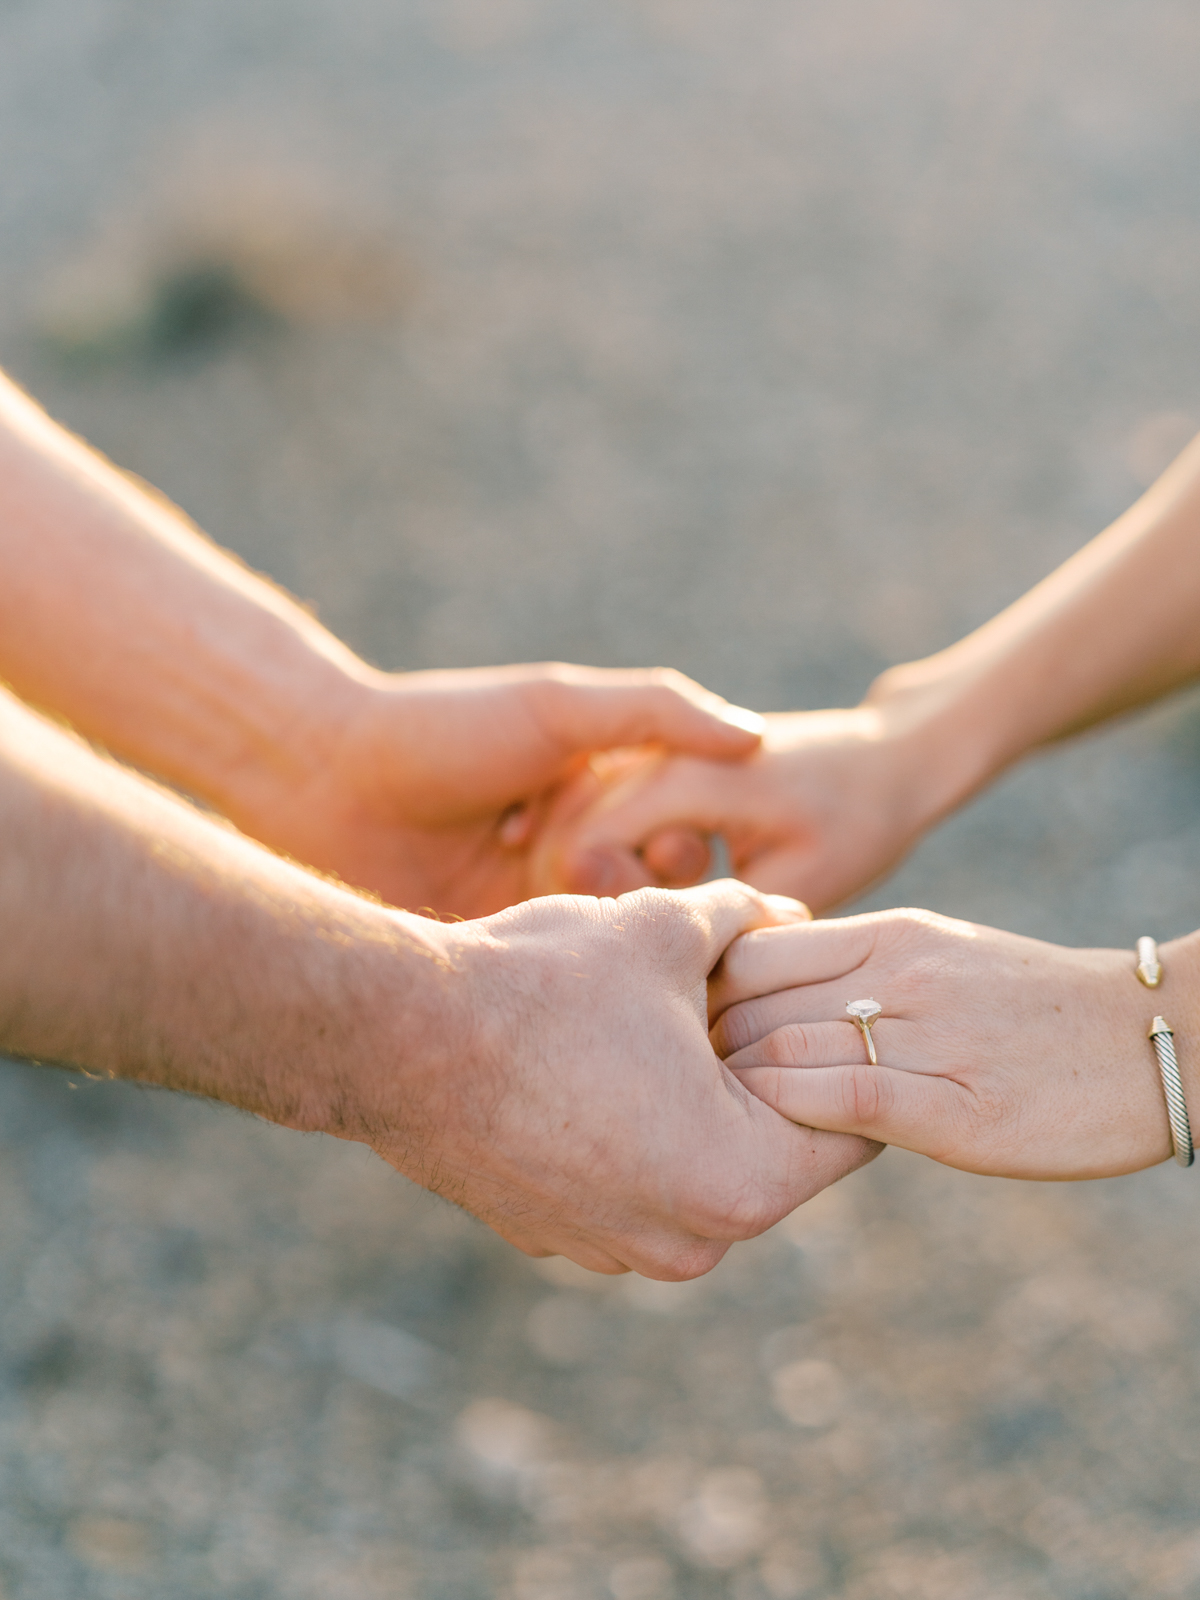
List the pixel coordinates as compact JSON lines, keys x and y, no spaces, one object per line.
{"x":748,"y":1214}
{"x":911,"y":925}
{"x":789,"y":1046}
{"x":672,"y":681}
{"x":867,"y":1095}
{"x":736,"y":966}
{"x":736,"y":1210}
{"x":929,"y":946}
{"x":734,"y":1030}
{"x":990,"y":1109}
{"x":548,"y":693}
{"x":674,"y":917}
{"x":546,"y":679}
{"x":682,"y":1260}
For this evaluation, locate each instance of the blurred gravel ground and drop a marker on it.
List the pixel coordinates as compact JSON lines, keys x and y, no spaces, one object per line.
{"x":774,"y":342}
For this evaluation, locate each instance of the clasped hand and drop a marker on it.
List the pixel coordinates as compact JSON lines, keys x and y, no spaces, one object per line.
{"x":997,"y":1054}
{"x":433,"y":789}
{"x":831,"y":801}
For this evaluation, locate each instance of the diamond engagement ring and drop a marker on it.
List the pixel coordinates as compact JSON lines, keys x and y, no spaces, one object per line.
{"x":863,"y":1013}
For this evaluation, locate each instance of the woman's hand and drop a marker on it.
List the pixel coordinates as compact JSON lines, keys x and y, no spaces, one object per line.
{"x":430,"y":788}
{"x":997,"y":1054}
{"x":831,"y":802}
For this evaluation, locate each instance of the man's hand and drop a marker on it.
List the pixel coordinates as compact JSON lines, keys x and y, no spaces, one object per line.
{"x":548,"y":1068}
{"x":430,"y":788}
{"x":831,"y":801}
{"x":426,"y":788}
{"x":565,"y":1090}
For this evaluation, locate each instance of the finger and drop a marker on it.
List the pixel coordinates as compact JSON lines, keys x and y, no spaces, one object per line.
{"x":826,"y":1158}
{"x":788,"y":1044}
{"x":551,"y":1243}
{"x":700,"y":797}
{"x":895,"y":1107}
{"x":791,"y":957}
{"x":802,"y":1162}
{"x":671,"y":1257}
{"x":667,"y":1254}
{"x":677,"y":857}
{"x":585,"y":1255}
{"x":608,"y":870}
{"x":587,"y":709}
{"x":596,"y":837}
{"x":556,"y":865}
{"x":744,"y":1024}
{"x":720,"y":911}
{"x":651,"y":1247}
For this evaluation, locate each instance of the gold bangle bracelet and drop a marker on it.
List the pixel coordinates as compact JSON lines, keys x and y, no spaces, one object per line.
{"x":1150,"y":973}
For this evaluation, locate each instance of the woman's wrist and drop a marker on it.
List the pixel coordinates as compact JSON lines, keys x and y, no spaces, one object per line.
{"x":935,"y":746}
{"x":949,"y":723}
{"x":1122,"y":1011}
{"x":1178,"y":999}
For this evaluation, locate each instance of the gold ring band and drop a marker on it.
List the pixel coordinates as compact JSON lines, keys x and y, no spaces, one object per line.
{"x":863,"y":1013}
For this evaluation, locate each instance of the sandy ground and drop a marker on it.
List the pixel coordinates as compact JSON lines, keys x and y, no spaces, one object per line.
{"x":775,"y":342}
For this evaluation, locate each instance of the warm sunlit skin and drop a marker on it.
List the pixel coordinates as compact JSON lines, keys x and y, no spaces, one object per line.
{"x":427,"y":788}
{"x":827,"y":796}
{"x":547,"y":1068}
{"x":997,"y":1054}
{"x":836,"y":798}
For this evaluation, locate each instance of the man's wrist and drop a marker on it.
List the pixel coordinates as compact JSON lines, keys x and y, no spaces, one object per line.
{"x":432,"y":1066}
{"x":394,"y":1021}
{"x":295,"y":707}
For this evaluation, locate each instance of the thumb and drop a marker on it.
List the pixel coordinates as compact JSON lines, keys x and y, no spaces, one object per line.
{"x":608,"y":710}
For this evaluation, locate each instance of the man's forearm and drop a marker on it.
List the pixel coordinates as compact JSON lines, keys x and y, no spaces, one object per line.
{"x":146,"y":941}
{"x":116,"y":614}
{"x":482,"y":1059}
{"x":1113,"y":628}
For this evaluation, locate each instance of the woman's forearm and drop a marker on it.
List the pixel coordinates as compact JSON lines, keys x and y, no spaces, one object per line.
{"x":1116,"y":626}
{"x":117,"y":615}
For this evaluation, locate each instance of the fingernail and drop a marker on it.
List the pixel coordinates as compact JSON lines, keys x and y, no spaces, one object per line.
{"x":784,"y":906}
{"x":740,"y":717}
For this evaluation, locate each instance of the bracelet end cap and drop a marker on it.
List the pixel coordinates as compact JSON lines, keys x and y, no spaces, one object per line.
{"x":1149,"y":968}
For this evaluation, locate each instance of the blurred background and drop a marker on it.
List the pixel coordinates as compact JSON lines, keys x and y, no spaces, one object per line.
{"x":776,"y":343}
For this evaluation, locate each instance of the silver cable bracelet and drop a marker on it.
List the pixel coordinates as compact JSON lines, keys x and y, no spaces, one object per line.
{"x":1150,"y":972}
